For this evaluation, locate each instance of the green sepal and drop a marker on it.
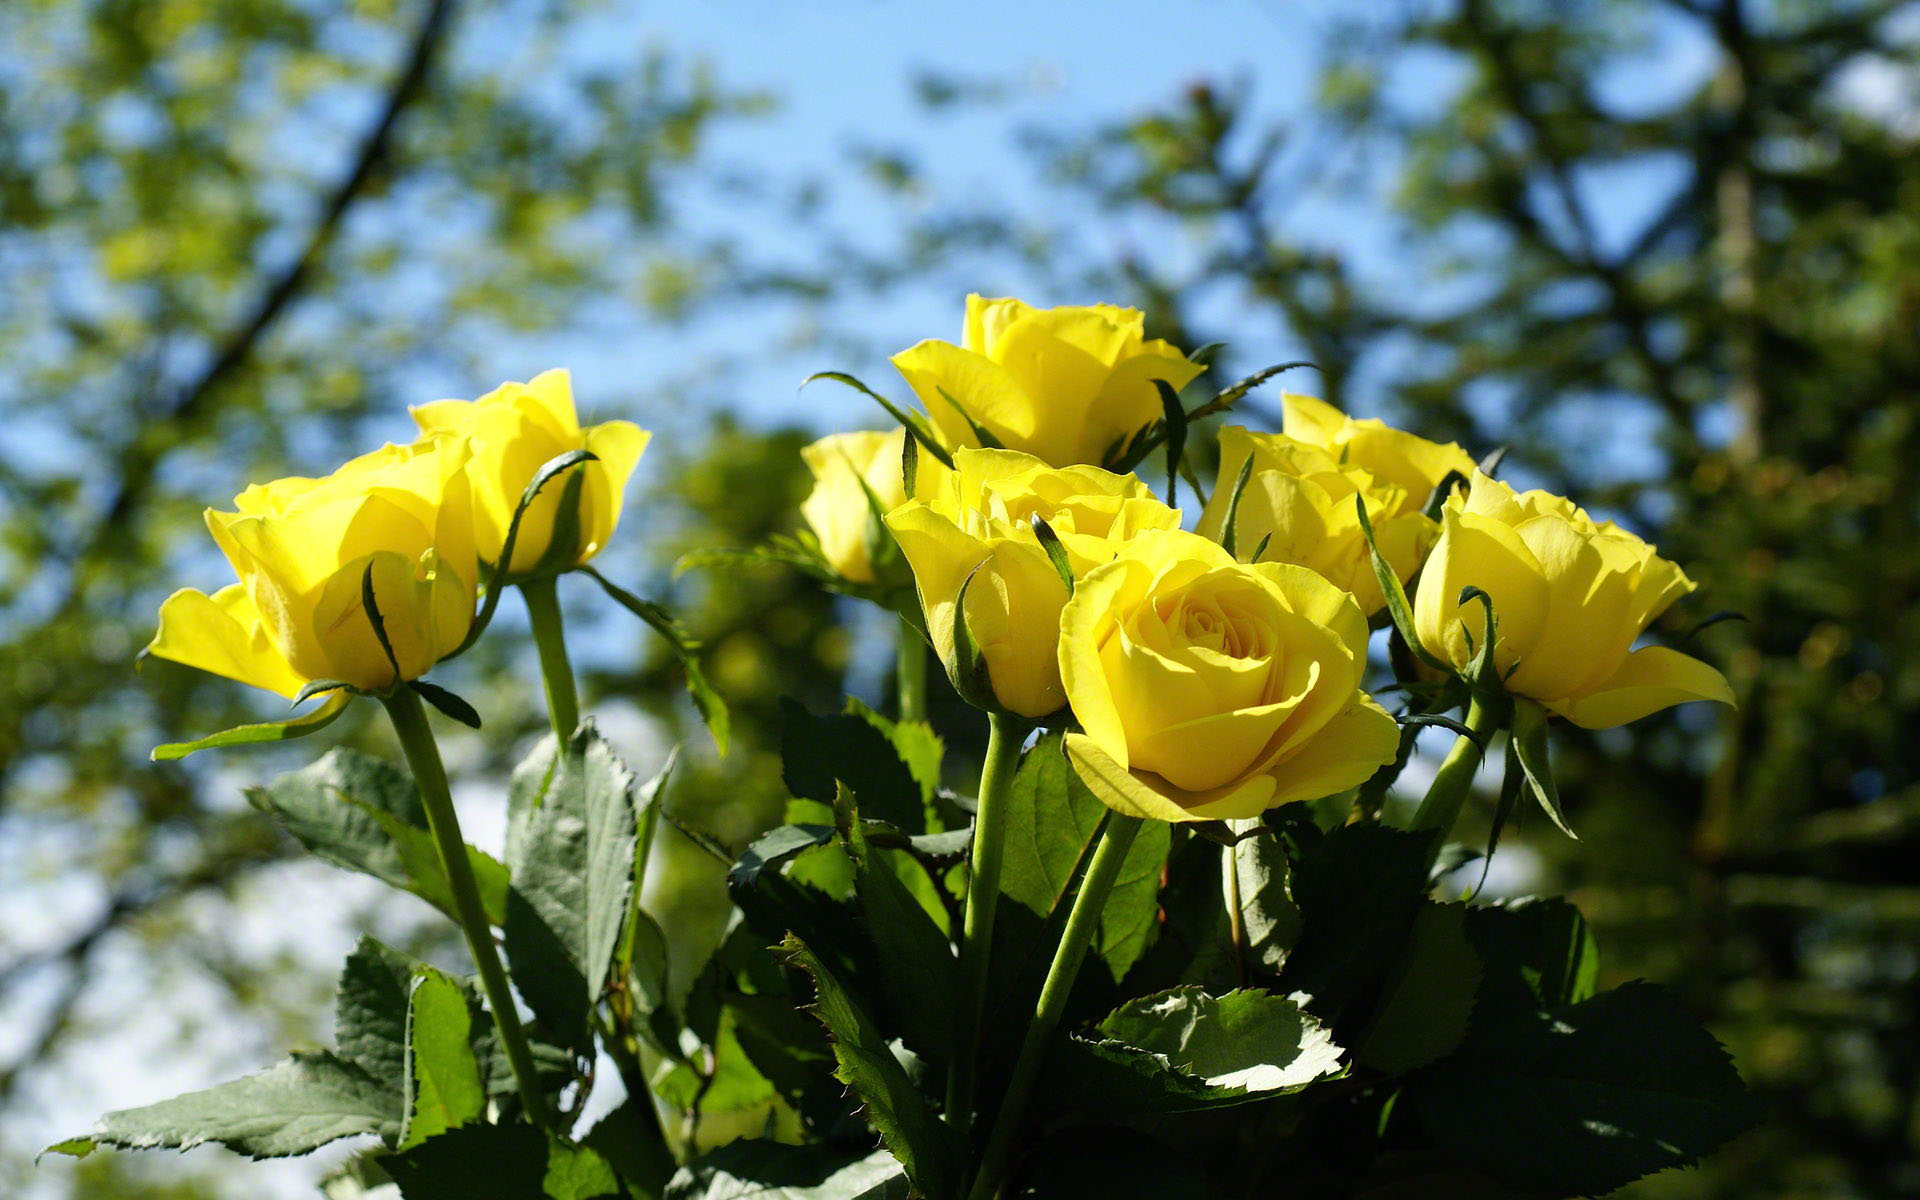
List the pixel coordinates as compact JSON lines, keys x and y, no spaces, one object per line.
{"x":317,"y":687}
{"x":1260,"y":551}
{"x":909,"y":466}
{"x":1480,"y":671}
{"x":255,"y":735}
{"x":883,"y":552}
{"x":377,"y":621}
{"x":563,"y":547}
{"x":1437,"y":498}
{"x":980,"y":432}
{"x":968,"y":670}
{"x":447,"y":702}
{"x":1511,"y":782}
{"x":1175,"y":417}
{"x":1530,"y":747}
{"x":1204,"y":353}
{"x":1398,"y":607}
{"x":1056,"y":552}
{"x":713,"y":709}
{"x":497,"y":582}
{"x":1229,"y":529}
{"x":913,"y":423}
{"x":1492,"y":461}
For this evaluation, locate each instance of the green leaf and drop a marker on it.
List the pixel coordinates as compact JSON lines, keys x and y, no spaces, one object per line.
{"x":577,"y":1173}
{"x":1175,"y":418}
{"x":370,"y":1012}
{"x":1358,"y":892}
{"x":914,"y":423}
{"x":447,"y":702}
{"x":474,"y":1162}
{"x":570,"y":849}
{"x":1584,"y":1098}
{"x":1269,"y":919}
{"x":1183,"y":1050}
{"x":1399,"y":608}
{"x":257,"y":735}
{"x":1229,"y":530}
{"x":362,"y":814}
{"x":868,"y":753}
{"x":1430,"y":997}
{"x":1056,"y":552}
{"x":927,"y":1147}
{"x":1539,"y":953}
{"x":919,"y":976}
{"x":1529,"y":742}
{"x":297,"y":1106}
{"x":713,"y":708}
{"x":1051,"y":819}
{"x":443,"y":1086}
{"x":765,"y":1170}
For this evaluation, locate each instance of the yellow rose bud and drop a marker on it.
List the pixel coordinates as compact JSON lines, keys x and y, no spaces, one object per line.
{"x":845,"y":467}
{"x":980,"y":516}
{"x":1571,"y":596}
{"x":1299,"y":499}
{"x":1210,"y":688}
{"x":301,"y":549}
{"x":513,"y":431}
{"x":1063,"y":384}
{"x":1393,"y":457}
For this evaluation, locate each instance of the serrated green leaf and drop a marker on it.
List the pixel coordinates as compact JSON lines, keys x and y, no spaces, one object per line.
{"x":919,"y":976}
{"x":292,"y":1108}
{"x":764,"y":1170}
{"x":362,"y":814}
{"x":473,"y":1162}
{"x":1583,"y":1098}
{"x":443,"y":1085}
{"x":577,"y":1173}
{"x":1538,"y":952}
{"x":570,"y":847}
{"x":1113,"y":1163}
{"x":370,"y":1011}
{"x":926,"y":1146}
{"x":869,"y":754}
{"x":260,"y":734}
{"x":1183,"y":1050}
{"x":1358,"y":892}
{"x":1050,"y":820}
{"x":1269,"y":919}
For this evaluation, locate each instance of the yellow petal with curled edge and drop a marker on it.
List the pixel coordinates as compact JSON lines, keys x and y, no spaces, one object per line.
{"x":223,"y":634}
{"x":1651,"y":678}
{"x":618,"y":445}
{"x":984,"y":388}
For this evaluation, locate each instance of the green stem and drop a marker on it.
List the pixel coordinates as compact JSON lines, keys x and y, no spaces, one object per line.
{"x":1115,"y":841}
{"x":556,"y":672}
{"x":1451,"y":783}
{"x":1004,"y":735}
{"x":423,"y":756}
{"x":910,"y":672}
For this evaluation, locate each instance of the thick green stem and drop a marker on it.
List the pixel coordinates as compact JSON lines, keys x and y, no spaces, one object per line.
{"x":423,"y":756}
{"x":1454,"y":779}
{"x":910,"y":672}
{"x":556,"y":672}
{"x":1115,"y":841}
{"x":1004,"y":735}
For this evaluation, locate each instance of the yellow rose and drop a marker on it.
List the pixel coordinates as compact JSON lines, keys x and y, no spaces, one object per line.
{"x":980,"y":516}
{"x":1393,"y":457}
{"x":1063,"y":384}
{"x":838,"y":511}
{"x":1299,"y":499}
{"x":1210,"y":688}
{"x":513,"y":431}
{"x":301,"y":548}
{"x":1571,"y":596}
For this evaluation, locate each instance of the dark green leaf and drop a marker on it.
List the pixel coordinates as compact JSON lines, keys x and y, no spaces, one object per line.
{"x":1539,"y":953}
{"x":448,"y":703}
{"x":1056,"y":553}
{"x":1358,"y":893}
{"x":1583,"y":1098}
{"x":1229,"y":530}
{"x":1175,"y":418}
{"x":370,"y":1012}
{"x":863,"y":750}
{"x":1269,"y":919}
{"x":927,"y":1147}
{"x":1111,"y":1163}
{"x":474,"y":1162}
{"x":1399,"y":609}
{"x":919,"y":976}
{"x":1429,"y":997}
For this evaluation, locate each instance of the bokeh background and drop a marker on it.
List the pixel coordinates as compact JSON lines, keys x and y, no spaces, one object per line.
{"x":1669,"y":252}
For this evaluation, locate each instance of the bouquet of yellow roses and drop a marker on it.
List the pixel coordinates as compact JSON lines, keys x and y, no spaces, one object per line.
{"x":1184,"y":938}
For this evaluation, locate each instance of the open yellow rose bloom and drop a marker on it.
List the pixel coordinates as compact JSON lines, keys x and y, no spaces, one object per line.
{"x":513,"y":431}
{"x":1210,"y":688}
{"x":1571,"y":594}
{"x":976,"y":522}
{"x":1065,"y":385}
{"x":301,"y":548}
